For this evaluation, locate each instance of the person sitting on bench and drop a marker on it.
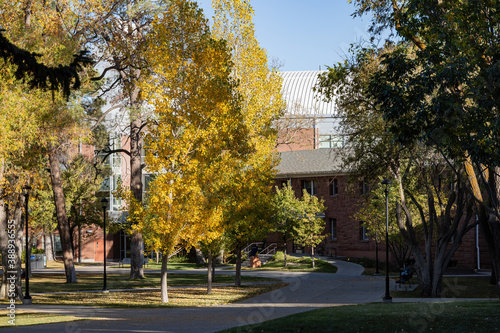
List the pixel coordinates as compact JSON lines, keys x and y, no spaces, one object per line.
{"x":406,"y":274}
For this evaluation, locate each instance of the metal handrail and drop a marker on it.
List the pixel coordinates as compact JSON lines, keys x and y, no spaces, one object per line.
{"x":246,"y":250}
{"x":271,"y":249}
{"x":268,"y":250}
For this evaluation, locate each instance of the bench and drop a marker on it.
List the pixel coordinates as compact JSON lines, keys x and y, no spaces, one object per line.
{"x":405,"y":276}
{"x":124,"y":261}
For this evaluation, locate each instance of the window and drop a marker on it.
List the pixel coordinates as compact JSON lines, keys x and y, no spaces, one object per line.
{"x":332,"y":141}
{"x":310,"y":186}
{"x":147,"y":181}
{"x":334,"y":186}
{"x":333,"y":229}
{"x":364,"y":231}
{"x":105,"y":184}
{"x":365,"y":189}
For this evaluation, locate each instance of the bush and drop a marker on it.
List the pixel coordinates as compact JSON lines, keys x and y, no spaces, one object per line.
{"x":179,"y":259}
{"x":279,"y":256}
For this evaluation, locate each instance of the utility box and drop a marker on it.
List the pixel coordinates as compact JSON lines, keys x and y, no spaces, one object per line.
{"x":38,"y":261}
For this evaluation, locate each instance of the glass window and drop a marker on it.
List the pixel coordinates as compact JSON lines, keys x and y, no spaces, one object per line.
{"x":334,"y":186}
{"x":332,"y":141}
{"x":333,"y":228}
{"x":310,"y":186}
{"x":364,"y":231}
{"x":147,"y":181}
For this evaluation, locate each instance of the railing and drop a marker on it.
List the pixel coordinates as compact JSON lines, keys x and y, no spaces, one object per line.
{"x":176,"y":252}
{"x":270,"y":249}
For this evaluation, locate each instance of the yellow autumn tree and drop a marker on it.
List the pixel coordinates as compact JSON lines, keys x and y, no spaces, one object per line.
{"x":246,"y":212}
{"x":196,"y":134}
{"x":54,"y":30}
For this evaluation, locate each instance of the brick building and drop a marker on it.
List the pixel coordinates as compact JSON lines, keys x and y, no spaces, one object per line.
{"x":310,"y":159}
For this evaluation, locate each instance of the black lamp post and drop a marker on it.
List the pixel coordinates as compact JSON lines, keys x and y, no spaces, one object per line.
{"x":104,"y":203}
{"x":387,"y":297}
{"x":27,"y":297}
{"x":377,"y":272}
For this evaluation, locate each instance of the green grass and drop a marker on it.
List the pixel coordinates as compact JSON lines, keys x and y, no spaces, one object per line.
{"x":294,"y":264}
{"x":396,"y":317}
{"x":23,"y":318}
{"x":456,"y":287}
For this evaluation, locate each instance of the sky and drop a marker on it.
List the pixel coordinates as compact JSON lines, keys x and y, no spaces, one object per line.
{"x":304,"y":34}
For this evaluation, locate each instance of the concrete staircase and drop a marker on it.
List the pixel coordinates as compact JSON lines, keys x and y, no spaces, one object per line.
{"x":264,"y":258}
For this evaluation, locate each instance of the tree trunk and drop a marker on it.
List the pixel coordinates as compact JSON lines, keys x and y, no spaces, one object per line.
{"x":312,"y":255}
{"x":491,"y":231}
{"x":49,"y":245}
{"x":237,"y":280}
{"x":11,"y":244}
{"x":209,"y":273}
{"x":285,"y":255}
{"x":62,"y":218}
{"x":136,"y":241}
{"x":164,"y":293}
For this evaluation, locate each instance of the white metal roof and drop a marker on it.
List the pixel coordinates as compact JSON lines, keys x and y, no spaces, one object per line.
{"x":301,"y":99}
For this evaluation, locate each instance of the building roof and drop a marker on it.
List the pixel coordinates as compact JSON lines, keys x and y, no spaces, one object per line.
{"x":310,"y":162}
{"x":301,"y":99}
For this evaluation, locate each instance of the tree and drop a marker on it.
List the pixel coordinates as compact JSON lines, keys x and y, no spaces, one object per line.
{"x":198,"y":130}
{"x":62,"y":77}
{"x":286,"y":210}
{"x":299,"y":220}
{"x":54,"y":30}
{"x":449,"y":62}
{"x":120,"y":38}
{"x":372,"y":211}
{"x":247,"y":206}
{"x":425,"y":207}
{"x":309,"y":231}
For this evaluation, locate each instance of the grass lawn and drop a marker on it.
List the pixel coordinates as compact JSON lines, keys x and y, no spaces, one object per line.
{"x":460,"y":287}
{"x":25,"y":318}
{"x":171,"y":265}
{"x":455,"y":317}
{"x":294,"y":264}
{"x":147,"y":299}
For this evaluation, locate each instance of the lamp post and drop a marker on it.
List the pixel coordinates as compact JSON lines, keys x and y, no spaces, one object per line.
{"x":387,"y":297}
{"x":377,"y":272}
{"x":27,"y":297}
{"x":104,"y":203}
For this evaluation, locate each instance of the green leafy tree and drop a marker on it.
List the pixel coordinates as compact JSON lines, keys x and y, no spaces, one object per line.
{"x":448,"y":61}
{"x":426,"y":208}
{"x":299,"y":220}
{"x":286,"y":210}
{"x":309,"y":231}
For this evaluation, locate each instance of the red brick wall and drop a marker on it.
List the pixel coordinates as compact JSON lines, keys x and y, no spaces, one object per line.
{"x":349,"y":243}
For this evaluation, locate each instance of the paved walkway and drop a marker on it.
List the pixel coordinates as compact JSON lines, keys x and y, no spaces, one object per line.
{"x":306,"y":291}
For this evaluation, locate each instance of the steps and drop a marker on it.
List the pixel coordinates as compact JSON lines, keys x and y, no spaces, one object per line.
{"x":264,"y":258}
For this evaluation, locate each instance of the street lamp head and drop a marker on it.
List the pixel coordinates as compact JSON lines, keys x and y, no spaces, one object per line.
{"x":104,"y":202}
{"x":386,"y":182}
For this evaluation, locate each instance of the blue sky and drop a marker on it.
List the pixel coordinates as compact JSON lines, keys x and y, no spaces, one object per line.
{"x":304,"y":34}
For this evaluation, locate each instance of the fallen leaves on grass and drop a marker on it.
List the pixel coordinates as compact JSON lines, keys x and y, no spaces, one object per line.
{"x":177,"y":297}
